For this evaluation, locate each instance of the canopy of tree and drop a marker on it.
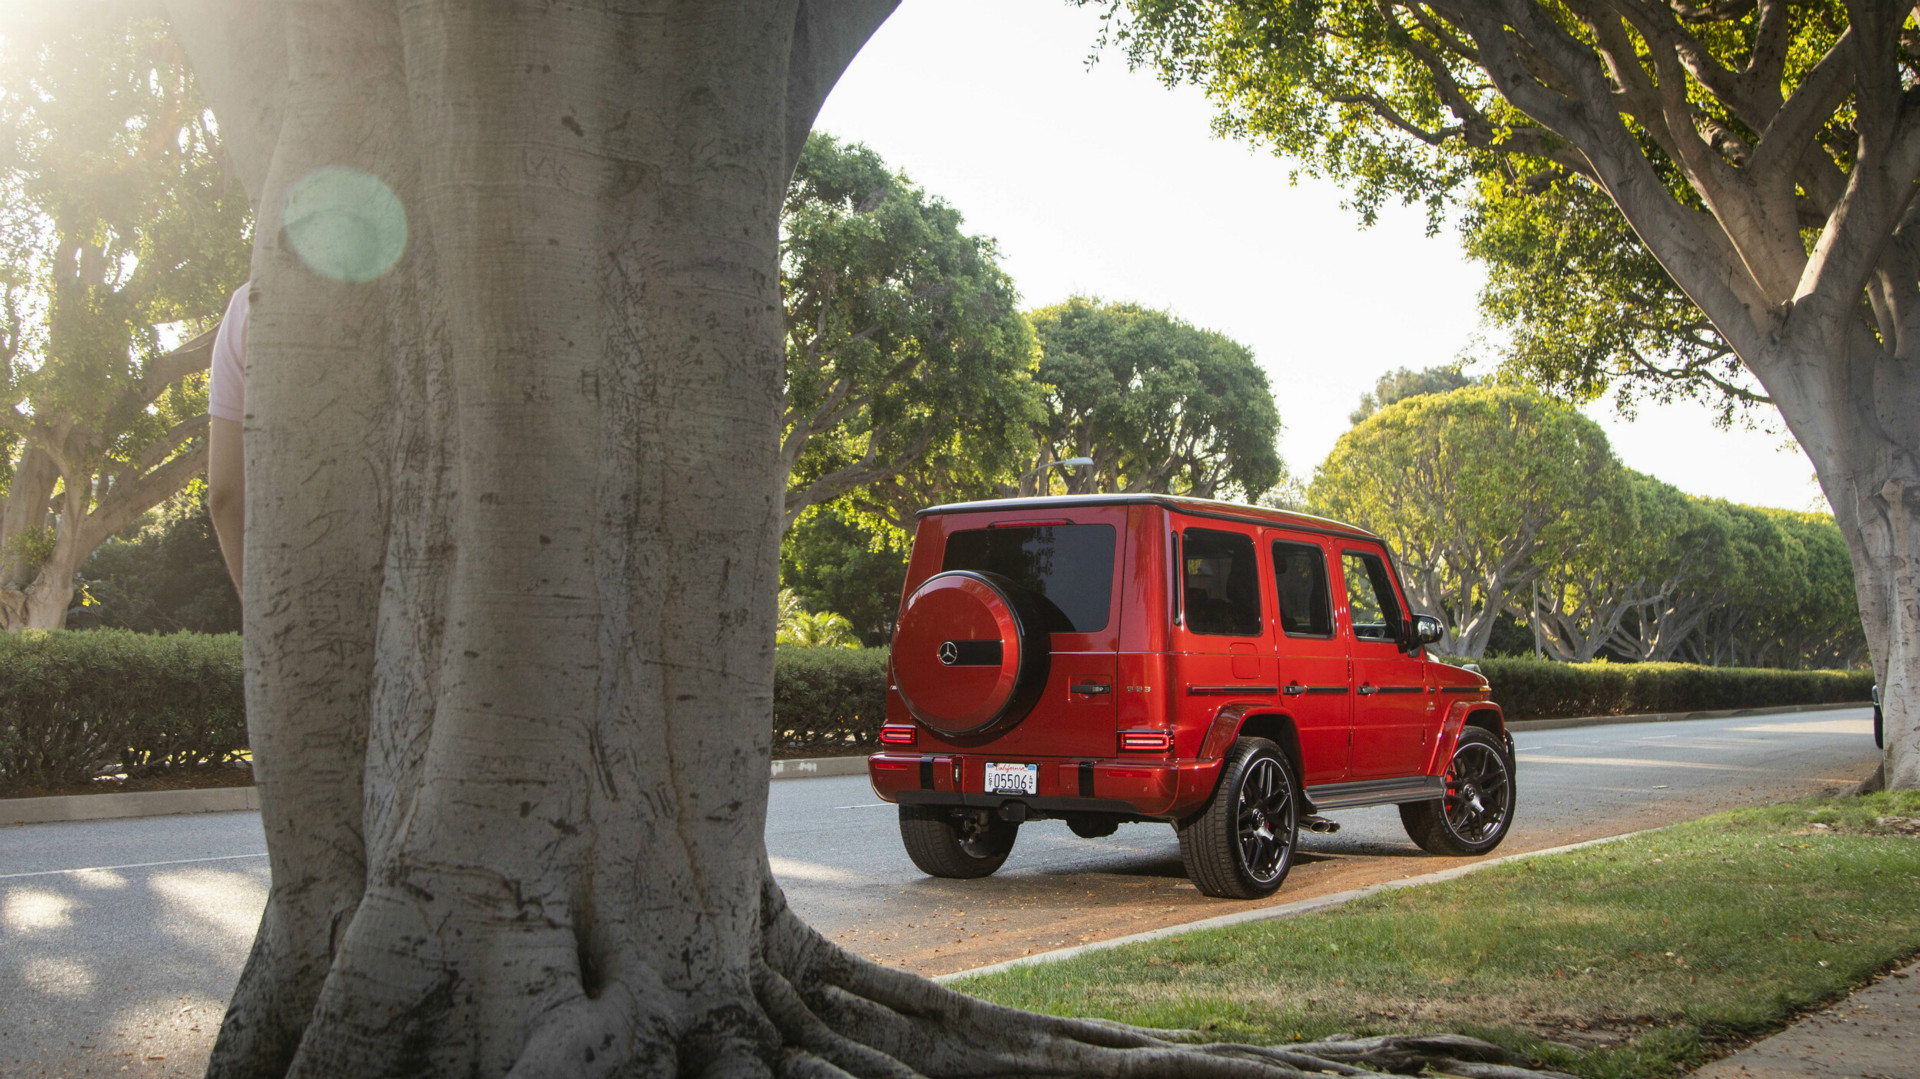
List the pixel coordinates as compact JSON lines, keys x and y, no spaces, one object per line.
{"x":1402,"y":383}
{"x":1504,"y":503}
{"x":1703,"y":581}
{"x":1764,"y":155}
{"x":116,"y":220}
{"x":161,"y":574}
{"x":1158,"y":404}
{"x":1587,"y":308}
{"x":909,"y":369}
{"x":834,"y":561}
{"x":1476,"y":490}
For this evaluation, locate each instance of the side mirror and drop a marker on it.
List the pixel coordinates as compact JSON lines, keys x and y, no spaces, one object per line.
{"x":1425,"y":629}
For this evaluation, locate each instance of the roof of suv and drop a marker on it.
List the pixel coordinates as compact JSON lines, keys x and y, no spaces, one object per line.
{"x":1197,"y":507}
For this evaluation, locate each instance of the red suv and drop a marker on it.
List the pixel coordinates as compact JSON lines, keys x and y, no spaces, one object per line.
{"x":1231,"y":670}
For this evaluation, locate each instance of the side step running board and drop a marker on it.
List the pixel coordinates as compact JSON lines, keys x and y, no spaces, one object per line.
{"x":1373,"y":792}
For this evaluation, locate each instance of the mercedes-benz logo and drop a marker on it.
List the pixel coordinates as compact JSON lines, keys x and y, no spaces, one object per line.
{"x":949,"y":653}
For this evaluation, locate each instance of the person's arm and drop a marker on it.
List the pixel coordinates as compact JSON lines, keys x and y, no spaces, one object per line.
{"x":227,"y":492}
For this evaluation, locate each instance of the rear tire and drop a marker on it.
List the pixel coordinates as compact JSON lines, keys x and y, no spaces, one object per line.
{"x":1474,"y":816}
{"x":1241,"y":845}
{"x":965,"y":845}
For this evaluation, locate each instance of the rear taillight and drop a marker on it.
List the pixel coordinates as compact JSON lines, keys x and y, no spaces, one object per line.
{"x":1145,"y":741}
{"x":901,"y":735}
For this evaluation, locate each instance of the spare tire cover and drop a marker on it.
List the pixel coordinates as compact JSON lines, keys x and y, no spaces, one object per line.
{"x":970,"y":654}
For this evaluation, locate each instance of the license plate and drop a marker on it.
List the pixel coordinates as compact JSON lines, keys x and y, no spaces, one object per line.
{"x":1013,"y":778}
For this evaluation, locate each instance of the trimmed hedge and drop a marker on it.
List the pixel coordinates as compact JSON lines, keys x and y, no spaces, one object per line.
{"x":828,"y":701}
{"x":1541,"y":689}
{"x":76,"y":704}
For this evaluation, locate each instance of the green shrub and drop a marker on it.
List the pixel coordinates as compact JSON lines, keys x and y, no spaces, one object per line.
{"x":828,"y":701}
{"x":1542,"y":689}
{"x":75,"y":704}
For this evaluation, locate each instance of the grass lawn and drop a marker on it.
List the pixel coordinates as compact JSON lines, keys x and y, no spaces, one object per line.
{"x":1635,"y":958}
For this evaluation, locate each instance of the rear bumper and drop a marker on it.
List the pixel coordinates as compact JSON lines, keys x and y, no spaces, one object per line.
{"x":1155,"y":789}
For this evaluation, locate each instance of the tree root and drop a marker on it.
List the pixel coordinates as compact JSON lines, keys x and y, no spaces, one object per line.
{"x":849,"y":1018}
{"x":808,"y":1010}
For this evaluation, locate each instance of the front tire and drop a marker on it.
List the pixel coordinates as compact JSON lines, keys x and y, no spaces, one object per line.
{"x":967,"y":844}
{"x":1474,"y":816}
{"x":1241,"y":845}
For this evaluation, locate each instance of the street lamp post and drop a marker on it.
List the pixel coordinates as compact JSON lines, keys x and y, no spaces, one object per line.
{"x":1041,"y":472}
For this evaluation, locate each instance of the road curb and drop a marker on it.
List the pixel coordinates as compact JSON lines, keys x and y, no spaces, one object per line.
{"x":1284,"y":910}
{"x":1673,"y":717}
{"x":73,"y":807}
{"x":77,"y":807}
{"x":819,"y":767}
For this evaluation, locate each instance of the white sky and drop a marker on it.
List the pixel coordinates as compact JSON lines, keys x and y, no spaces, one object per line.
{"x":1104,"y":182}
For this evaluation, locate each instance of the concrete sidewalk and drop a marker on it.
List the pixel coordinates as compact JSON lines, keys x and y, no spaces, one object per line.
{"x":1872,"y":1034}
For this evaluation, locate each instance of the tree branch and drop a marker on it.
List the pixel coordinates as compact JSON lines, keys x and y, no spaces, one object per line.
{"x":124,"y":502}
{"x":827,"y":34}
{"x":239,"y":52}
{"x":1783,"y":139}
{"x":164,"y":371}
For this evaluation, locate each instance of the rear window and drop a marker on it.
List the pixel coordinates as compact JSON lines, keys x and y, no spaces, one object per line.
{"x":1070,"y":567}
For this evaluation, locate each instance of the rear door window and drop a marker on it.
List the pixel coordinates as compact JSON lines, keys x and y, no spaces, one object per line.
{"x":1300,"y":580}
{"x":1222,"y":583}
{"x":1069,"y":567}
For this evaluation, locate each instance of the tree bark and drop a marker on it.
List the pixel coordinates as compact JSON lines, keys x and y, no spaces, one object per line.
{"x":512,"y":521}
{"x":1863,"y":444}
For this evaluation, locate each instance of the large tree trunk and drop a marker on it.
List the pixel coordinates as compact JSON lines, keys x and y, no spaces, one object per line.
{"x":512,"y":517}
{"x":1866,"y":451}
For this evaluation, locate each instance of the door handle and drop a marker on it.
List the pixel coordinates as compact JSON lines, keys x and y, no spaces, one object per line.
{"x":1368,"y":691}
{"x":1294,"y":689}
{"x":1092,"y":688}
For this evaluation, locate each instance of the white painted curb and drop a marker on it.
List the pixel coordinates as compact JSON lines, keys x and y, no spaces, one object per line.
{"x":1284,"y":910}
{"x":815,"y":767}
{"x":67,"y":807}
{"x":75,"y":807}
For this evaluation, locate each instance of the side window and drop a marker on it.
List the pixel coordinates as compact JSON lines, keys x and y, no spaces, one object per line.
{"x":1300,"y":579}
{"x":1222,"y":586}
{"x":1370,"y":600}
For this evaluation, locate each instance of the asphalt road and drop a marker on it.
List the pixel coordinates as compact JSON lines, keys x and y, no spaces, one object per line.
{"x":120,"y":940}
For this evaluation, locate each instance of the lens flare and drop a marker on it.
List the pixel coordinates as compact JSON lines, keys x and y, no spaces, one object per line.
{"x":345,"y":224}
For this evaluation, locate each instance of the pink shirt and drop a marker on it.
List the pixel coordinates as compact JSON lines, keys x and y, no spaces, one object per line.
{"x":227,"y":391}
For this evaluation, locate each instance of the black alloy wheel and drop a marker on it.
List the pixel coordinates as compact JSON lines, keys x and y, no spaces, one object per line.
{"x":1241,"y":845}
{"x":1478,"y":809}
{"x":956,"y":843}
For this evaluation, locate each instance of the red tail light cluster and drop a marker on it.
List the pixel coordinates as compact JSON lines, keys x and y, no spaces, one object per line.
{"x":897,"y":735}
{"x":1138,"y":741}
